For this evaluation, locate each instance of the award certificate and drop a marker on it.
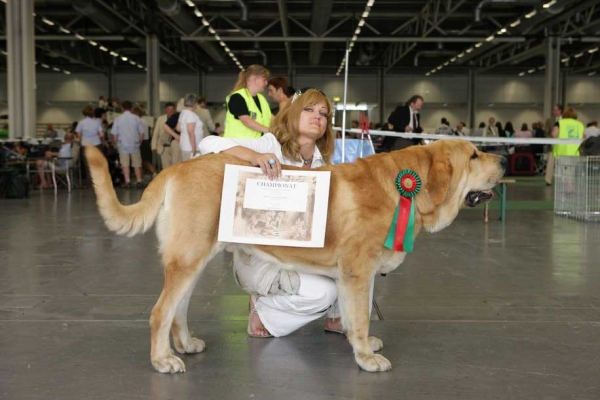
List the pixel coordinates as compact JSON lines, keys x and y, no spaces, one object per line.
{"x":288,"y":211}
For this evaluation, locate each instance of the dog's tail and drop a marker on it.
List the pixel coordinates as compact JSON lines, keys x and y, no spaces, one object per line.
{"x":125,"y":220}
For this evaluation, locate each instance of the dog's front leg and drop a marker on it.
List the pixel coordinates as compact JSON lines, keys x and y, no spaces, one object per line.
{"x":353,"y":293}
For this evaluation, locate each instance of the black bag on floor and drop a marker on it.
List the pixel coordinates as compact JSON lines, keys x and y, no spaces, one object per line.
{"x":590,"y":147}
{"x":13,"y":185}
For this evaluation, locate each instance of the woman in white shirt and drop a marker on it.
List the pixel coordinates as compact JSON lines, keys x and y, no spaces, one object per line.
{"x":190,"y":127}
{"x":308,"y":144}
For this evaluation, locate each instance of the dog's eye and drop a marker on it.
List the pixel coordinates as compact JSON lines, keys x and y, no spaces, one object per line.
{"x":474,"y":156}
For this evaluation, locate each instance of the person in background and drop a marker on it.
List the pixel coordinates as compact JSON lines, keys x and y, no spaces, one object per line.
{"x":591,"y":130}
{"x":280,"y":92}
{"x":190,"y":128}
{"x":64,"y":151}
{"x":102,"y":102}
{"x":462,"y":130}
{"x":218,"y":130}
{"x":567,"y":128}
{"x":538,"y":132}
{"x":480,"y":131}
{"x":89,"y":131}
{"x":444,"y":128}
{"x":406,"y":118}
{"x":551,"y":123}
{"x":509,"y":130}
{"x":161,"y":140}
{"x":524,"y":132}
{"x":172,"y":128}
{"x":208,"y":126}
{"x":145,"y":149}
{"x":248,"y":114}
{"x":50,"y":132}
{"x":128,"y":133}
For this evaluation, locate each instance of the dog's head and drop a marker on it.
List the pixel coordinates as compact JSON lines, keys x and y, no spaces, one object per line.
{"x":454,"y":174}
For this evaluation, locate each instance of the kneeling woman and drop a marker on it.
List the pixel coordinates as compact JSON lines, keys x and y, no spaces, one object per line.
{"x":303,"y":137}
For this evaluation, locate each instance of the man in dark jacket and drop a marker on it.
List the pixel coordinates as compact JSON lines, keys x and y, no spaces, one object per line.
{"x":405,"y":119}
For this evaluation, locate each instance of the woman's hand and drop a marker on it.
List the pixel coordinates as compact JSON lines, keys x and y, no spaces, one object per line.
{"x":273,"y":170}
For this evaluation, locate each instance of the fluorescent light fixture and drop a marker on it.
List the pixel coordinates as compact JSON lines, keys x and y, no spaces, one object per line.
{"x":64,"y":30}
{"x":453,"y":59}
{"x":361,"y":22}
{"x":461,"y":55}
{"x":531,"y":71}
{"x":56,"y":69}
{"x":578,"y":55}
{"x":565,"y":59}
{"x":103,"y":48}
{"x":446,"y":63}
{"x":595,"y":49}
{"x":516,"y":23}
{"x":205,"y":22}
{"x":114,"y":54}
{"x":428,"y":73}
{"x":592,"y":73}
{"x":521,"y":73}
{"x":67,"y":72}
{"x":357,"y":31}
{"x":226,"y":49}
{"x":198,"y":13}
{"x":131,"y":62}
{"x":531,"y":14}
{"x":124,"y":58}
{"x":5,"y":53}
{"x":78,"y":36}
{"x":45,"y":65}
{"x":365,"y":14}
{"x":439,"y":68}
{"x":47,"y":22}
{"x":222,"y":43}
{"x":211,"y":30}
{"x":354,"y":38}
{"x":140,"y":66}
{"x":92,"y":43}
{"x":549,"y":4}
{"x":190,"y":3}
{"x":489,"y":38}
{"x":352,"y":107}
{"x":370,"y":3}
{"x":479,"y":44}
{"x":217,"y":37}
{"x":470,"y":49}
{"x":543,"y":67}
{"x":502,"y":31}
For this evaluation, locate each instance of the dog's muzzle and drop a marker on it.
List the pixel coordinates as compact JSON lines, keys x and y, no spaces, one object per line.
{"x":475,"y":198}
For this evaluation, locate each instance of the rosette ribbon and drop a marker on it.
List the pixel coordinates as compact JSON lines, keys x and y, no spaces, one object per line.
{"x":401,"y":235}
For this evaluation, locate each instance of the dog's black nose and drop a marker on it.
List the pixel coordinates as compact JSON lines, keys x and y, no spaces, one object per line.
{"x":503,"y":161}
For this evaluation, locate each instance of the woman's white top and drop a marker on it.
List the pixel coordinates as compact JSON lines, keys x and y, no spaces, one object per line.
{"x":252,"y":273}
{"x":186,"y":117}
{"x":268,"y":143}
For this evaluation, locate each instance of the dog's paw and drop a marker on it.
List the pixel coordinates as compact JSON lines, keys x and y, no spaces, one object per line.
{"x":374,"y":363}
{"x":169,"y":365}
{"x":375,"y":343}
{"x":193,"y":346}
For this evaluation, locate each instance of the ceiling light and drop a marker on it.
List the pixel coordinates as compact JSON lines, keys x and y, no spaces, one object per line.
{"x":370,"y":3}
{"x":226,"y":49}
{"x":64,"y":30}
{"x":479,"y":44}
{"x":56,"y":69}
{"x":531,"y":14}
{"x":565,"y":59}
{"x":531,"y":71}
{"x":124,"y":58}
{"x":595,"y":49}
{"x":131,"y":62}
{"x":453,"y":59}
{"x":198,"y":13}
{"x":549,"y":4}
{"x":521,"y":73}
{"x":592,"y":73}
{"x":502,"y":31}
{"x":357,"y":31}
{"x":543,"y":67}
{"x":140,"y":66}
{"x":67,"y":72}
{"x":190,"y":3}
{"x":516,"y":23}
{"x":354,"y":38}
{"x":439,"y":68}
{"x":114,"y":54}
{"x":461,"y":55}
{"x":47,"y":22}
{"x":470,"y":49}
{"x":222,"y":43}
{"x":217,"y":37}
{"x":211,"y":30}
{"x":92,"y":43}
{"x":361,"y":22}
{"x":578,"y":55}
{"x":489,"y":38}
{"x":428,"y":73}
{"x":78,"y":36}
{"x":45,"y":65}
{"x":365,"y":14}
{"x":205,"y":22}
{"x":446,"y":63}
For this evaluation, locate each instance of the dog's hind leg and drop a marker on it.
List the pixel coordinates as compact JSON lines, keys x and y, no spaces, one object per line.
{"x":182,"y":340}
{"x":353,"y":295}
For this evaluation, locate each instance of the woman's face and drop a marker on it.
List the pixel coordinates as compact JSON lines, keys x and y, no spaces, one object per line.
{"x":313,"y":121}
{"x":259,"y":82}
{"x":273,"y":93}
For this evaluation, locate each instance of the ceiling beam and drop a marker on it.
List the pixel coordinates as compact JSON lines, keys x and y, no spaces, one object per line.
{"x":379,"y":39}
{"x":285,"y":27}
{"x":321,"y":13}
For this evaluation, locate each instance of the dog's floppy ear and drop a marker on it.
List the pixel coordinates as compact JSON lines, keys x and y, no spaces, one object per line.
{"x":438,"y":179}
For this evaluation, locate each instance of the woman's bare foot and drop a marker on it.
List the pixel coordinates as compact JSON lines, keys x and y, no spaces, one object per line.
{"x":334,"y":325}
{"x":255,"y":325}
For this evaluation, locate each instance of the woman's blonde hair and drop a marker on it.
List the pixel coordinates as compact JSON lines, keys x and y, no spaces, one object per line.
{"x":569,"y":112}
{"x":253,"y":70}
{"x":285,"y":126}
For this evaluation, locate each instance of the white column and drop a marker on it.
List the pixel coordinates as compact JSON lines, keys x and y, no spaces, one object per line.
{"x":22,"y":111}
{"x":153,"y":74}
{"x":471,"y":100}
{"x":552,"y":74}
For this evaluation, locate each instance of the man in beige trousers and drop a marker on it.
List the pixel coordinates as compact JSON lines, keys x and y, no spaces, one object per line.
{"x":203,"y":113}
{"x":557,"y":111}
{"x":161,"y":139}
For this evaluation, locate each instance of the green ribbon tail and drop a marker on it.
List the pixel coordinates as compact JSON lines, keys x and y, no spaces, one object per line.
{"x":409,"y":237}
{"x":389,"y":241}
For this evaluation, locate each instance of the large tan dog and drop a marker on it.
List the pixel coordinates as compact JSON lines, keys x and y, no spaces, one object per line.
{"x":184,"y":201}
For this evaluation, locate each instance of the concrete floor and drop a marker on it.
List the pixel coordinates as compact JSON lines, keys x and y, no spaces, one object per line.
{"x":499,"y":311}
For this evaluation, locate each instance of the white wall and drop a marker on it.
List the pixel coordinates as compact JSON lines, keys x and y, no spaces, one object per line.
{"x":508,"y":98}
